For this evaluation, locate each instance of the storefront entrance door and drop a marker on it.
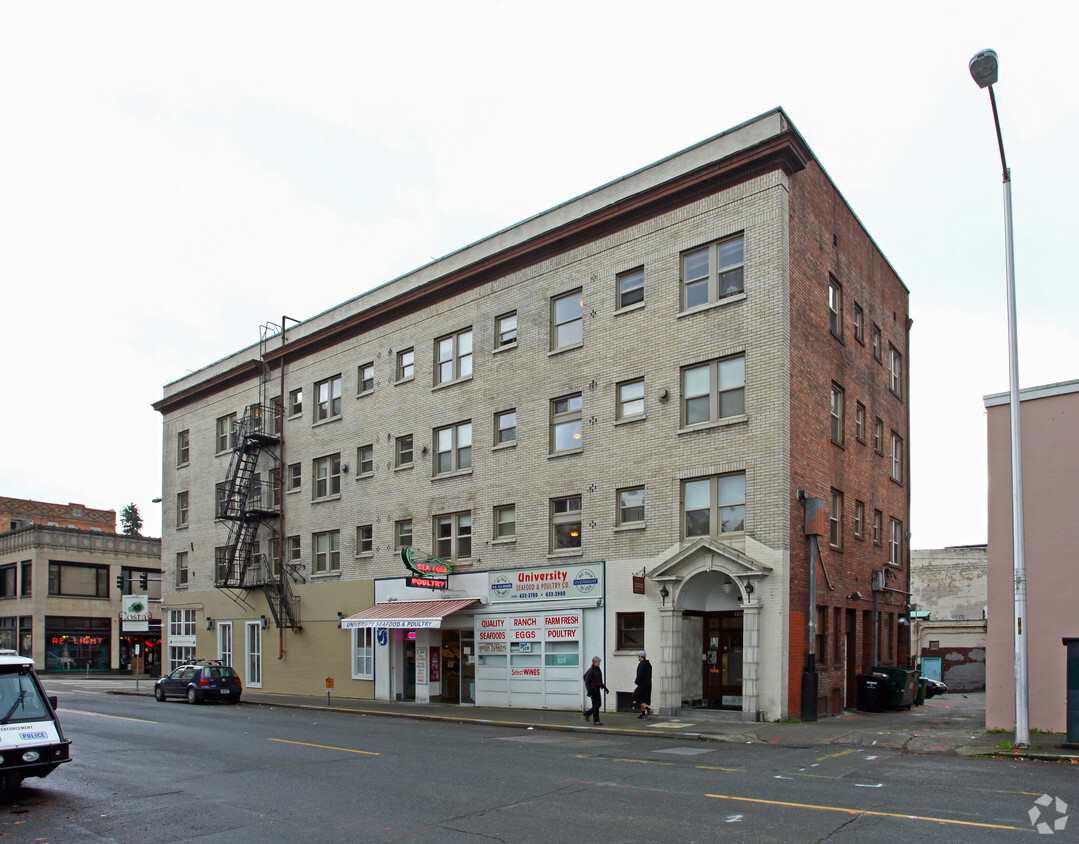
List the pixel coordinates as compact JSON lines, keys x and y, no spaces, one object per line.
{"x":451,"y":666}
{"x":722,"y":663}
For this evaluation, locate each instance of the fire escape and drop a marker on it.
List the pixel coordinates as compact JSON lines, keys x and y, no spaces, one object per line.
{"x":250,"y":504}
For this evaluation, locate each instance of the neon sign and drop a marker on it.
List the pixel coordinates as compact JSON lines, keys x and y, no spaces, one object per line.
{"x":430,"y":573}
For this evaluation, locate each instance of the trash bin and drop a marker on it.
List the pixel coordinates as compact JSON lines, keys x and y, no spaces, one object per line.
{"x":903,"y":685}
{"x":923,"y":687}
{"x":872,"y":692}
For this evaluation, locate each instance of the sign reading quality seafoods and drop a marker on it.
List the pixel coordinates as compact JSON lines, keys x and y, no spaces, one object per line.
{"x":556,"y":583}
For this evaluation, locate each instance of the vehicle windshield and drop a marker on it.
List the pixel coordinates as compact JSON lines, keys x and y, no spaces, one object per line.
{"x":20,"y":699}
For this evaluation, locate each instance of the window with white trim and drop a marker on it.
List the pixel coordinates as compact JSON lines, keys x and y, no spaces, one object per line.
{"x":631,"y":506}
{"x":631,"y":288}
{"x":714,"y":505}
{"x":181,"y":570}
{"x":506,"y":330}
{"x":403,"y":451}
{"x":631,"y":399}
{"x":365,"y":378}
{"x":295,"y":402}
{"x":226,"y":433}
{"x":895,"y":371}
{"x":327,"y":477}
{"x":567,"y":320}
{"x":453,"y":448}
{"x":835,"y":520}
{"x":181,"y":509}
{"x":326,"y":548}
{"x":835,"y":308}
{"x":406,"y":365}
{"x":506,"y":427}
{"x":453,"y":357}
{"x":365,"y":460}
{"x":363,"y":653}
{"x":183,"y":448}
{"x":895,"y":542}
{"x":837,"y":414}
{"x":453,"y":536}
{"x":859,"y":520}
{"x":328,"y":399}
{"x":714,"y":390}
{"x":505,"y":521}
{"x":897,"y":458}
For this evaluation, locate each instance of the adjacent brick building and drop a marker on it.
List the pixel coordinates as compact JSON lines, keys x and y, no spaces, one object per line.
{"x":18,"y":513}
{"x":601,"y":418}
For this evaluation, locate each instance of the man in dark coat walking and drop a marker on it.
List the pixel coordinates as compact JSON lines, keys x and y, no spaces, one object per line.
{"x":593,"y":683}
{"x":643,"y":693}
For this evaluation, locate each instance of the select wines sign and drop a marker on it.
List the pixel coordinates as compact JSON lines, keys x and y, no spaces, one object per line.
{"x":546,"y":584}
{"x":430,"y":573}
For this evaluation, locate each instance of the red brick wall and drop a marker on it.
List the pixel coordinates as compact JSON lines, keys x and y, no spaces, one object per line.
{"x":826,"y":240}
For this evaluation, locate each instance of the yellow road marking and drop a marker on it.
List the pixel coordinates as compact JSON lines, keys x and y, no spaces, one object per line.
{"x":836,"y":755}
{"x":103,"y":715}
{"x":863,"y":812}
{"x":644,"y":762}
{"x":715,"y":768}
{"x":327,"y":747}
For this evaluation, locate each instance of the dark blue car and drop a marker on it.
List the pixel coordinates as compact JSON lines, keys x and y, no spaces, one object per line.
{"x":201,"y":681}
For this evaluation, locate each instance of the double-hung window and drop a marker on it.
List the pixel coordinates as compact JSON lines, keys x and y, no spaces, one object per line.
{"x":714,"y":390}
{"x":567,"y":320}
{"x":363,"y":653}
{"x":406,"y":365}
{"x":897,"y":458}
{"x":181,"y":569}
{"x":295,"y":402}
{"x":859,"y":323}
{"x":327,"y":476}
{"x":181,"y":509}
{"x":631,"y":288}
{"x":365,"y":378}
{"x":403,"y":451}
{"x":453,"y":536}
{"x":713,"y":272}
{"x":505,"y":521}
{"x":328,"y":398}
{"x":506,"y":330}
{"x":183,"y":448}
{"x":895,"y":542}
{"x":566,"y":423}
{"x":631,"y":399}
{"x":365,"y":460}
{"x":327,"y":551}
{"x":453,"y":357}
{"x":566,"y":523}
{"x":714,"y":505}
{"x":226,"y":433}
{"x":453,"y":448}
{"x":835,"y":308}
{"x":402,"y":533}
{"x":835,"y":520}
{"x":895,"y":371}
{"x":506,"y":427}
{"x":859,"y":520}
{"x":365,"y":539}
{"x":859,"y":422}
{"x":631,"y":506}
{"x":837,"y":414}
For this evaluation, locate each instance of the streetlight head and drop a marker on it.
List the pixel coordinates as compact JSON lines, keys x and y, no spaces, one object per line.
{"x":983,"y":68}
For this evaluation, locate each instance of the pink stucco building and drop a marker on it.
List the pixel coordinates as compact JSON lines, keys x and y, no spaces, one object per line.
{"x":1050,"y":432}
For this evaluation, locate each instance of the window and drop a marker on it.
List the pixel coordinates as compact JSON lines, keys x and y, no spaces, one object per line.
{"x":365,"y":539}
{"x":565,"y":523}
{"x":878,"y":518}
{"x":327,"y":472}
{"x":631,"y":399}
{"x":835,"y":520}
{"x":895,"y":372}
{"x":837,"y":414}
{"x":713,"y":272}
{"x":8,"y":585}
{"x":453,"y":448}
{"x":295,"y":402}
{"x":276,"y":414}
{"x":897,"y":458}
{"x":631,"y":506}
{"x":275,"y":557}
{"x":226,"y":433}
{"x":402,"y":533}
{"x":275,"y":489}
{"x":363,"y":653}
{"x":567,"y":320}
{"x":181,"y":509}
{"x":78,"y":580}
{"x":877,"y":350}
{"x":859,"y":423}
{"x":27,"y":579}
{"x":453,"y":536}
{"x":714,"y":505}
{"x":403,"y":451}
{"x":406,"y":365}
{"x":365,"y":460}
{"x":859,"y":324}
{"x":292,"y":543}
{"x":835,"y":308}
{"x":859,"y":520}
{"x":327,"y":551}
{"x":878,"y":436}
{"x":934,"y":644}
{"x":506,"y":330}
{"x":328,"y":399}
{"x":821,"y":639}
{"x":183,"y":448}
{"x":365,"y":381}
{"x":895,"y":542}
{"x":453,"y":357}
{"x":631,"y":288}
{"x":181,"y":569}
{"x":295,"y":477}
{"x":506,"y":521}
{"x":566,"y":424}
{"x":630,"y":631}
{"x":506,"y":427}
{"x":714,"y":390}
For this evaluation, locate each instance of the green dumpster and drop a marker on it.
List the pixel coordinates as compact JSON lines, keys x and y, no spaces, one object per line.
{"x":923,"y":687}
{"x":902,"y":683}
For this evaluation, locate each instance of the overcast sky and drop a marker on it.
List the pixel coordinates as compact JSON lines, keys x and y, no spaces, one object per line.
{"x":173,"y":176}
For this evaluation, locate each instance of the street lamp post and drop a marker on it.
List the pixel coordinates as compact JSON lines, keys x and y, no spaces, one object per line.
{"x":983,"y":69}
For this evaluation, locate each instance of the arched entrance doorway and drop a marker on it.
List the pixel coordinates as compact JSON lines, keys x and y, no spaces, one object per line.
{"x":712,"y":642}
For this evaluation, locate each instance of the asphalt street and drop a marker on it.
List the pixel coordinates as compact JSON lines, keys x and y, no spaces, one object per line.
{"x":170,"y":772}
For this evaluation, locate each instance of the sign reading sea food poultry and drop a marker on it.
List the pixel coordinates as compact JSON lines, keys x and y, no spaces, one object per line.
{"x":431,"y":573}
{"x":546,"y":584}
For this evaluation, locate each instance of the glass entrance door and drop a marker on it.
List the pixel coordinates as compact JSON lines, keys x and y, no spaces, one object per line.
{"x":722,"y":663}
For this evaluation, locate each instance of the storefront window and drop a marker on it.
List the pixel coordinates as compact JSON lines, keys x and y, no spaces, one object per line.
{"x":77,"y":644}
{"x":26,"y":636}
{"x":8,"y":633}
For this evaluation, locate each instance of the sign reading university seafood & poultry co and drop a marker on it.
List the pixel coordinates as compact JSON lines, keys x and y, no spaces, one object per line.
{"x":553,"y":583}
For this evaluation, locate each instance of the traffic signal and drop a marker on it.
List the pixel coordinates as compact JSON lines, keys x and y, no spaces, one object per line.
{"x":120,"y":582}
{"x":143,"y":580}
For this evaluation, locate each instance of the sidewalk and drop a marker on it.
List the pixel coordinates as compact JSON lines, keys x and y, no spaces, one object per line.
{"x":950,"y":724}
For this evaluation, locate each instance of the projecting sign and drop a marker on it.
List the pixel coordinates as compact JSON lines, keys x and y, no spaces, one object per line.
{"x":546,"y":584}
{"x":135,"y":614}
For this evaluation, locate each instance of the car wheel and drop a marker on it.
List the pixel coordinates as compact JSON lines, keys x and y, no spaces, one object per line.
{"x":159,"y":693}
{"x":192,"y":696}
{"x":234,"y":700}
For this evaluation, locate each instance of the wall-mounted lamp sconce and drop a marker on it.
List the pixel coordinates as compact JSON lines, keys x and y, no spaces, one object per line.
{"x":344,"y":468}
{"x":209,"y":623}
{"x":664,"y":394}
{"x":728,"y":585}
{"x":749,"y":588}
{"x":664,"y":593}
{"x":423,"y":449}
{"x":265,"y":622}
{"x":340,"y":616}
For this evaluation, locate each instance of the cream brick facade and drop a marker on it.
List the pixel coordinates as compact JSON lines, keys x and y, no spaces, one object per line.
{"x":581,"y":246}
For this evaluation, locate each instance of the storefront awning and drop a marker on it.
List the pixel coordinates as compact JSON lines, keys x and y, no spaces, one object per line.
{"x":407,"y":614}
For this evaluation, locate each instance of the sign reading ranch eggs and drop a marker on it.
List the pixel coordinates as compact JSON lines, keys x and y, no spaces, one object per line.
{"x":546,"y":584}
{"x":494,"y":632}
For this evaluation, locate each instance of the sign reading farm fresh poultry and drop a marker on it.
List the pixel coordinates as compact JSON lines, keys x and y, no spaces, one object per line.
{"x":431,"y":573}
{"x":546,"y":584}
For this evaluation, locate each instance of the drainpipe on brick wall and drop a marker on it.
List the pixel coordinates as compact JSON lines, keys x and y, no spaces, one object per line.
{"x":814,"y":518}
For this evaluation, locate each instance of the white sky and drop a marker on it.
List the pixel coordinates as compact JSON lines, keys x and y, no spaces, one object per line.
{"x":174,"y":175}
